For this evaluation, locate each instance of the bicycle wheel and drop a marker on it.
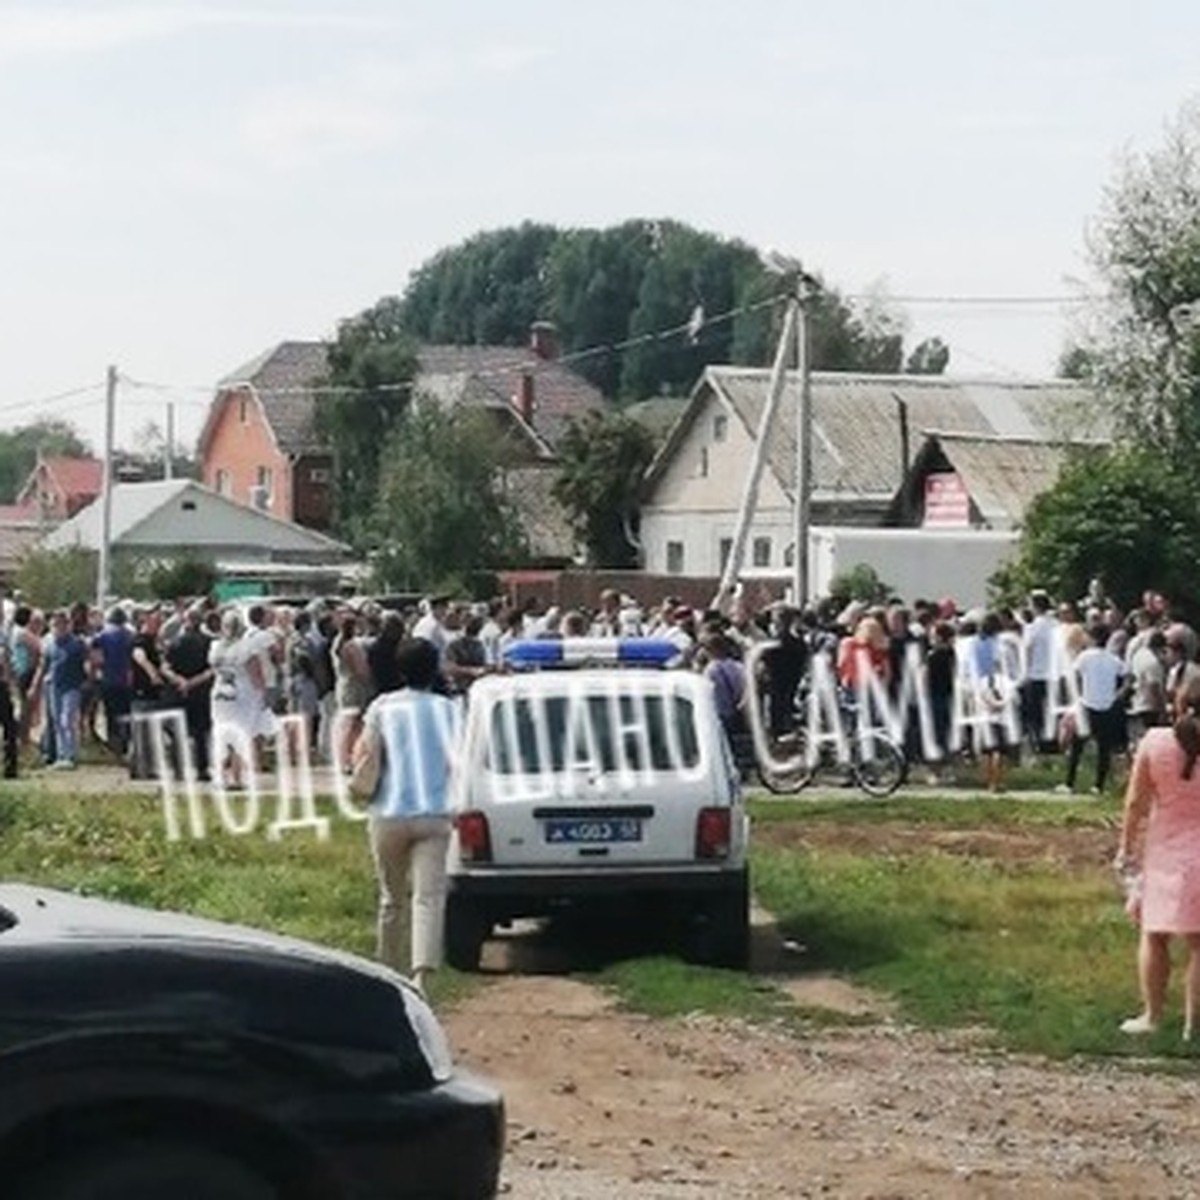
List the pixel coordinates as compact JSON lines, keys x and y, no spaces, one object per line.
{"x":785,"y":780}
{"x":879,"y":767}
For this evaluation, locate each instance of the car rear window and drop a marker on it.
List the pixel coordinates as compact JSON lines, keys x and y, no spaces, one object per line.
{"x":609,"y":733}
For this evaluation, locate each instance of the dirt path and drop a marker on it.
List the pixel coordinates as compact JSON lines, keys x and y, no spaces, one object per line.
{"x":609,"y":1105}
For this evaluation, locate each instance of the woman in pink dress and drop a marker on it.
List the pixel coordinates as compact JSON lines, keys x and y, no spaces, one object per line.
{"x":1160,"y":841}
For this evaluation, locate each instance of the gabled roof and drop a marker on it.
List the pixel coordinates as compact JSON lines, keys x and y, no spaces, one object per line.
{"x":858,"y":420}
{"x":143,"y":514}
{"x":483,"y":376}
{"x":75,"y":478}
{"x":1002,"y":475}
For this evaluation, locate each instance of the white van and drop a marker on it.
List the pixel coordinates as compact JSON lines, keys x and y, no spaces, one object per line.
{"x":598,"y":785}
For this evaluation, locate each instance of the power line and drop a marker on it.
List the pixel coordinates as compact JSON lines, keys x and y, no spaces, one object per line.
{"x":48,"y":400}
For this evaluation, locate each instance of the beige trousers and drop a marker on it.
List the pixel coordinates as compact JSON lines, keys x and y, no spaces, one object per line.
{"x":410,"y":854}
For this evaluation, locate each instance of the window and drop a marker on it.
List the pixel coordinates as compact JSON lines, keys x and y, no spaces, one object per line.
{"x":244,"y":409}
{"x":223,"y":482}
{"x":263,"y":478}
{"x":720,"y":427}
{"x":789,"y":555}
{"x":703,"y":462}
{"x":725,"y":550}
{"x":318,"y":475}
{"x":762,"y":552}
{"x":674,"y":558}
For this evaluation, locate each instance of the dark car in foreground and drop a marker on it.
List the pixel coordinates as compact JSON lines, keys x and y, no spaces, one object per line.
{"x":147,"y":1055}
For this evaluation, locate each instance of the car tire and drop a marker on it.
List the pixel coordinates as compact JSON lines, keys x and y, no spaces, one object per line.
{"x":467,"y":928}
{"x":145,"y":1169}
{"x":720,"y":934}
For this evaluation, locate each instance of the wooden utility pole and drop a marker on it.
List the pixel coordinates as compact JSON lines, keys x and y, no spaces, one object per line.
{"x":733,"y":564}
{"x":804,"y":463}
{"x":169,"y":452}
{"x":105,"y":566}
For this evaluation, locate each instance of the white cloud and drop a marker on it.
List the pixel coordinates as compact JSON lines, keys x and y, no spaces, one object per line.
{"x":26,"y":31}
{"x":370,"y":107}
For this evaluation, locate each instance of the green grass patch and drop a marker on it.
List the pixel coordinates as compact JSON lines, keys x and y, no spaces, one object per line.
{"x":662,"y":986}
{"x":960,"y":812}
{"x":115,"y":847}
{"x":1040,"y":957}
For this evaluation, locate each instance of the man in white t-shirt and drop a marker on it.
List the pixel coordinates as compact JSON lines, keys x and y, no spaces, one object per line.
{"x":1101,"y":675}
{"x":1040,"y":639}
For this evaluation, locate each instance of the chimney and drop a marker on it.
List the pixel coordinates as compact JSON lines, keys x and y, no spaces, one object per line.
{"x":543,"y":339}
{"x":524,"y":398}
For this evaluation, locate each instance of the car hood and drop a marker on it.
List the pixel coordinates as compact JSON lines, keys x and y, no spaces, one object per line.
{"x":68,"y":963}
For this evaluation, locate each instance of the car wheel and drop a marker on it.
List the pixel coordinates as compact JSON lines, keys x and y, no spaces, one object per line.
{"x":720,"y":934}
{"x":467,"y":928}
{"x":145,"y":1169}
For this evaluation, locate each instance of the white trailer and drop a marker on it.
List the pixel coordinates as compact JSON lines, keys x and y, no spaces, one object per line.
{"x":913,"y":563}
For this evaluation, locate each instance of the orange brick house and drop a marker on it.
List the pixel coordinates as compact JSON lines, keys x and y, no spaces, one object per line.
{"x":260,"y":443}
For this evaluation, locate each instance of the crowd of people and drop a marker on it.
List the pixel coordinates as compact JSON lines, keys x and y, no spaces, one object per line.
{"x":1054,"y":675}
{"x":1039,"y":678}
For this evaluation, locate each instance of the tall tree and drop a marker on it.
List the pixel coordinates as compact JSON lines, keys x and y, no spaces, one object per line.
{"x":19,"y":449}
{"x":441,"y":514}
{"x":603,"y":460}
{"x":930,"y":357}
{"x":629,"y":282}
{"x":1116,"y":515}
{"x":372,"y":367}
{"x":1141,"y":348}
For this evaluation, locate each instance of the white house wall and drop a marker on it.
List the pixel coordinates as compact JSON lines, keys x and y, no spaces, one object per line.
{"x":695,"y":501}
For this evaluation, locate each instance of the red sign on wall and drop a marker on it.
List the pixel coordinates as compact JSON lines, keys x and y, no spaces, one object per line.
{"x":947,"y":505}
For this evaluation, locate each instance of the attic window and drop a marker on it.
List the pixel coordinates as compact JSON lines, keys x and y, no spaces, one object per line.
{"x":720,"y":426}
{"x":244,"y":410}
{"x":188,"y":506}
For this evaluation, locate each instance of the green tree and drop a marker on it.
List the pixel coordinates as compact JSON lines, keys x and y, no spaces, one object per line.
{"x":441,"y":515}
{"x":57,"y":578}
{"x":859,"y":582}
{"x":630,"y":282}
{"x":930,"y":357}
{"x":603,"y":459}
{"x":375,"y":361}
{"x":188,"y":575}
{"x":1141,"y":347}
{"x":1118,"y":515}
{"x":19,"y":449}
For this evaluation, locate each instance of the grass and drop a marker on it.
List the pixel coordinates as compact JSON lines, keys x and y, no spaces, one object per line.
{"x":1035,"y":953}
{"x":116,"y":847}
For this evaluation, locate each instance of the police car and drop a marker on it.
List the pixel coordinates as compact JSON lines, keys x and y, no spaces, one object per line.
{"x":594,"y":776}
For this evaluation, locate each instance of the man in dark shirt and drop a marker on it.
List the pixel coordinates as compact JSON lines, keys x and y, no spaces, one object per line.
{"x":148,"y":691}
{"x":191,"y":678}
{"x":112,"y":656}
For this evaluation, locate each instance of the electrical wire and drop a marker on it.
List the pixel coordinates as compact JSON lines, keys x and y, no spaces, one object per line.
{"x":22,"y":405}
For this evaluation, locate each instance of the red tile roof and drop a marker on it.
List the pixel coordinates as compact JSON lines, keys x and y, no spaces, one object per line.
{"x":77,"y":478}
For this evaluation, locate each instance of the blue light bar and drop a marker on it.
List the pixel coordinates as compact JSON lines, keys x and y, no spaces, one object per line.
{"x":590,"y":651}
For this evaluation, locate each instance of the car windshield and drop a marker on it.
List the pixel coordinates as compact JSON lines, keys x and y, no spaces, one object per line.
{"x":532,"y":734}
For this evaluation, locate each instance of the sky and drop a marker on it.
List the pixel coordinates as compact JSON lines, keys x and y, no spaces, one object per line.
{"x":183,"y":185}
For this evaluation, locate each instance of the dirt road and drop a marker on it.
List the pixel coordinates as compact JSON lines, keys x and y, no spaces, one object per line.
{"x":609,"y":1105}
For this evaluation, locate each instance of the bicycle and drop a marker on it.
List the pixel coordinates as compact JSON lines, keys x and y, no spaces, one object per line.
{"x":877,"y":766}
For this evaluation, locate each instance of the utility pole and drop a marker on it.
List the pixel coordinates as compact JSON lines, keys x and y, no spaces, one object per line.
{"x":804,"y":462}
{"x":733,"y":564}
{"x":169,"y":452}
{"x":105,"y":566}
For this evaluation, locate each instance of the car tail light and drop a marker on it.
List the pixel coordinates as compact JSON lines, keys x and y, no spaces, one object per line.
{"x":713,"y":833}
{"x":474,"y":837}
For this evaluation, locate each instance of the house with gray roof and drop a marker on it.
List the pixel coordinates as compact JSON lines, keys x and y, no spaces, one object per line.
{"x":261,"y":444}
{"x":867,"y":431}
{"x":157,"y":522}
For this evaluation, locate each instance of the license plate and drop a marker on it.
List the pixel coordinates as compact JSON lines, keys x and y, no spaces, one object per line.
{"x":592,"y":831}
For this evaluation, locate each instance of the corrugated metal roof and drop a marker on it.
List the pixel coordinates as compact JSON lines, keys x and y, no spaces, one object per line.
{"x":1003,"y":475}
{"x":857,"y":419}
{"x":153,"y":514}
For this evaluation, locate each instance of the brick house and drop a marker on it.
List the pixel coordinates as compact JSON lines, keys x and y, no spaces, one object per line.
{"x":58,"y":487}
{"x":260,"y":443}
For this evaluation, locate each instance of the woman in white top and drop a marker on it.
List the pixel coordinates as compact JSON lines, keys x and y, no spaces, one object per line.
{"x":235,"y":699}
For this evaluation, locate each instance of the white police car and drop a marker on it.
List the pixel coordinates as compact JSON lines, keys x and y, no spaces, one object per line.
{"x":591,"y":776}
